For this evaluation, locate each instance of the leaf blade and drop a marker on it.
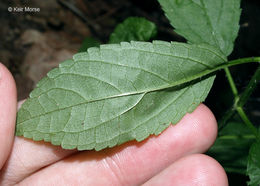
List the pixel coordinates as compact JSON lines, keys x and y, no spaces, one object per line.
{"x":103,"y":96}
{"x":133,"y":29}
{"x":253,"y":164}
{"x":232,"y":146}
{"x":87,"y":43}
{"x":205,"y":21}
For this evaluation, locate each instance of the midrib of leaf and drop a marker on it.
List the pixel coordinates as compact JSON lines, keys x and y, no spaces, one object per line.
{"x":220,"y":11}
{"x":180,"y":82}
{"x":210,"y":23}
{"x":144,"y":91}
{"x":173,"y":84}
{"x":176,"y":83}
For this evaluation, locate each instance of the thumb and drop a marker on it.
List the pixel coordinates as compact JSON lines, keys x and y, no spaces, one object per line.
{"x":8,"y":102}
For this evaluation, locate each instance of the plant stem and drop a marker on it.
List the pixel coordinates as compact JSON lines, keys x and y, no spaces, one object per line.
{"x":236,"y":99}
{"x":246,"y":120}
{"x":242,"y":98}
{"x":239,"y":109}
{"x":250,"y":88}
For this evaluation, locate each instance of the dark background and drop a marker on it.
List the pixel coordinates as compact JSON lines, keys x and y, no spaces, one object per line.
{"x":33,"y":43}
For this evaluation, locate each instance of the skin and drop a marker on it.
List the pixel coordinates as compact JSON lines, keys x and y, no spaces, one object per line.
{"x":172,"y":158}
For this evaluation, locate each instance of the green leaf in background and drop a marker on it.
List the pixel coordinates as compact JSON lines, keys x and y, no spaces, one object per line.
{"x":117,"y":93}
{"x":215,"y":22}
{"x":232,"y":146}
{"x":87,"y":43}
{"x":253,"y":166}
{"x":133,"y":29}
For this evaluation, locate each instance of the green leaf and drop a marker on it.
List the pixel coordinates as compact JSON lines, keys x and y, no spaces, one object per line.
{"x":253,"y":166}
{"x":133,"y":29}
{"x":87,"y":43}
{"x":117,"y":93}
{"x":232,"y":146}
{"x":215,"y":22}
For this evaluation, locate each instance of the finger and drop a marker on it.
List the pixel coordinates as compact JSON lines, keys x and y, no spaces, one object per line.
{"x":7,"y":112}
{"x":27,"y":157}
{"x":135,"y":163}
{"x":196,"y":169}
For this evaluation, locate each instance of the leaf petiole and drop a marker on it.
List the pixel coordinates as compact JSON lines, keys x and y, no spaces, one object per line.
{"x":231,"y":82}
{"x":210,"y":71}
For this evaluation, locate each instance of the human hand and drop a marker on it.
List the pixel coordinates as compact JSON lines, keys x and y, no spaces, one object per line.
{"x":172,"y":158}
